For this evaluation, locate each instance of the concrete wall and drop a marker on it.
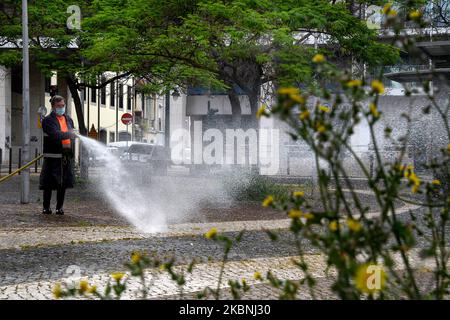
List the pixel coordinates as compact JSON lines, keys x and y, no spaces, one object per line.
{"x":198,"y":105}
{"x":5,"y":112}
{"x":427,"y":135}
{"x":37,"y":99}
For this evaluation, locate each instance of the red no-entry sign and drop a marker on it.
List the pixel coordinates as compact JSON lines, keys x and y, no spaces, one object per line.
{"x":127,"y":118}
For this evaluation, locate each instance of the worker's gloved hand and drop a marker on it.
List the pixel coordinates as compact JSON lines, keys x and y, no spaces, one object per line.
{"x":73,"y":135}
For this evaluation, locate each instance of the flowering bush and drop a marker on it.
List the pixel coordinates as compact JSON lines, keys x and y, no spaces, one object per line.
{"x":372,"y":255}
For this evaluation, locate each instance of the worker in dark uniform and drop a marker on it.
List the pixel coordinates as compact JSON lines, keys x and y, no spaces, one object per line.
{"x":57,"y":169}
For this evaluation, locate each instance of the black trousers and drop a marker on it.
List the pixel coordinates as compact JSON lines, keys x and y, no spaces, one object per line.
{"x":60,"y":193}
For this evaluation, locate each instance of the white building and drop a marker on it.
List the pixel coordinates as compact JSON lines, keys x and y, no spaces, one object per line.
{"x":102,"y":108}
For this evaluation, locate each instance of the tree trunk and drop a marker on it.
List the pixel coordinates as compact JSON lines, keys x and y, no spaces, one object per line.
{"x":236,"y":111}
{"x":84,"y":154}
{"x":77,"y":101}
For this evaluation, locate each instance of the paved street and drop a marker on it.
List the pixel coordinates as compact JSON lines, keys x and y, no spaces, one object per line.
{"x":89,"y":243}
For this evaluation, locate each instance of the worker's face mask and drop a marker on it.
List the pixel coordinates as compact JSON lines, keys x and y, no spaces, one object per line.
{"x":60,"y":111}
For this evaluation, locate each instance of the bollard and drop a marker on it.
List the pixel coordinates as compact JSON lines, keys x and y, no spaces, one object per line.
{"x":36,"y":163}
{"x":10,"y":160}
{"x":288,"y":171}
{"x":20,"y":159}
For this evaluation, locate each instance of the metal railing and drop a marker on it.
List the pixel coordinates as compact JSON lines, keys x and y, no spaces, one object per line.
{"x":15,"y":160}
{"x":35,"y":160}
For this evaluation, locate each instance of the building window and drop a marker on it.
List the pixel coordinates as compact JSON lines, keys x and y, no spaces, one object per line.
{"x":93,"y":95}
{"x":112,"y":136}
{"x":112,"y":94}
{"x":128,"y":98}
{"x":124,"y":136}
{"x":103,"y":136}
{"x":159,"y":124}
{"x":48,"y":82}
{"x":103,"y":92}
{"x":83,"y":94}
{"x":120,"y":96}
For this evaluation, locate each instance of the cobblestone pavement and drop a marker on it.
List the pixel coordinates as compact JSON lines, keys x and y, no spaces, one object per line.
{"x":64,"y":249}
{"x":30,"y":272}
{"x":38,"y":285}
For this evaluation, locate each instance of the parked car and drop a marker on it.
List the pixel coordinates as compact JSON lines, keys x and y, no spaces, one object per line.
{"x":115,"y":148}
{"x":154,"y":157}
{"x":122,"y":146}
{"x":100,"y":160}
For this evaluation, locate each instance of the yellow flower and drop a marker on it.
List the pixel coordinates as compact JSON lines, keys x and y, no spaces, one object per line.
{"x":57,"y":291}
{"x":318,"y":58}
{"x":387,"y":8}
{"x":308,"y":215}
{"x":295,"y":214}
{"x":413,"y":179}
{"x":370,"y":278}
{"x":392,"y":13}
{"x":321,"y":128}
{"x":324,"y":109}
{"x":448,"y":147}
{"x":415,"y":15}
{"x":436,"y":182}
{"x":117,"y":276}
{"x":84,"y":286}
{"x":267,"y":201}
{"x":257,"y":275}
{"x":211,"y":233}
{"x":297,"y":98}
{"x":374,"y":111}
{"x":408,"y":170}
{"x":354,"y":225}
{"x":244,"y":282}
{"x":261,"y":111}
{"x":135,"y":257}
{"x":354,"y":83}
{"x":304,"y":115}
{"x":290,"y":91}
{"x":377,"y":87}
{"x":333,"y":226}
{"x":298,"y":193}
{"x":92,"y":289}
{"x":425,"y":270}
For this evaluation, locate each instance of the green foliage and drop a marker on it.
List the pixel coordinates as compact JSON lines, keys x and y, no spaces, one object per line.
{"x":351,"y":240}
{"x":254,"y":187}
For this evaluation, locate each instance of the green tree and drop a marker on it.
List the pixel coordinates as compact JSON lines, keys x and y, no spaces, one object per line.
{"x":228,"y":44}
{"x":221,"y":44}
{"x":54,"y":47}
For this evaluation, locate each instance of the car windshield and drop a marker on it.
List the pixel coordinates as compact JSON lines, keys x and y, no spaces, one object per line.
{"x":140,"y":148}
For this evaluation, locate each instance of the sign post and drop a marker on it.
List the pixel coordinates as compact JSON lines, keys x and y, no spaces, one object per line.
{"x":25,"y":180}
{"x":127,"y":118}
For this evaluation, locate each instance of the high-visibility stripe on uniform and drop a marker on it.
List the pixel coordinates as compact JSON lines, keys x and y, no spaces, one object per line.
{"x":52,"y":155}
{"x":64,"y":128}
